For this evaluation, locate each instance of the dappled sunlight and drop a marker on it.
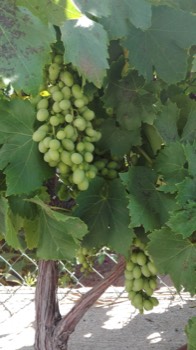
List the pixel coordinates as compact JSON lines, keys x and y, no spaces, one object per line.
{"x":155,"y":337}
{"x":84,"y":22}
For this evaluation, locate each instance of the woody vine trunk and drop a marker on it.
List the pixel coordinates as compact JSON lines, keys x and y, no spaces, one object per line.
{"x":53,"y":330}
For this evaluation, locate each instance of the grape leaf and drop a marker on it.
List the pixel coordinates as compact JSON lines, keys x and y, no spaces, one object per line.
{"x":14,"y":224}
{"x":137,"y":12}
{"x":189,"y":131}
{"x":20,"y":159}
{"x":51,"y":10}
{"x":190,"y":152}
{"x":148,"y":207}
{"x":186,"y":191}
{"x":131,"y":102}
{"x":3,"y":213}
{"x":59,"y":234}
{"x":171,"y":162}
{"x":159,"y":45}
{"x":25,"y":47}
{"x":103,"y":207}
{"x":188,"y":5}
{"x":89,"y":52}
{"x":183,"y":221}
{"x":190,"y":330}
{"x":32,"y":234}
{"x":116,"y":139}
{"x":175,"y":256}
{"x":95,"y":8}
{"x":166,"y":123}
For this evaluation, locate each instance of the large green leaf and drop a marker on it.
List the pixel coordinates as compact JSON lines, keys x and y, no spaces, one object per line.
{"x":23,"y":165}
{"x":186,"y":191}
{"x":164,"y":45}
{"x":59,"y":234}
{"x":189,"y":131}
{"x":148,"y":207}
{"x":85,"y":44}
{"x":103,"y":207}
{"x":134,"y":11}
{"x":25,"y":47}
{"x":175,"y":256}
{"x":171,"y":163}
{"x":191,"y":333}
{"x":183,"y":221}
{"x":51,"y":11}
{"x":117,"y":140}
{"x":166,"y":123}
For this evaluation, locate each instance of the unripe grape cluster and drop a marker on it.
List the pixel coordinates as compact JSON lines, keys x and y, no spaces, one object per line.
{"x":66,"y":136}
{"x":108,"y":168}
{"x":140,"y":278}
{"x":85,"y":257}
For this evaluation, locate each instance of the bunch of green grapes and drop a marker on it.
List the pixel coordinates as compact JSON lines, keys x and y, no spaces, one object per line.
{"x":66,"y":135}
{"x":108,"y":168}
{"x":140,"y":278}
{"x":85,"y":257}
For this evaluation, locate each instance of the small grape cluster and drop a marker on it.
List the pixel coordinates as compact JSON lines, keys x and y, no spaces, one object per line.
{"x":85,"y":257}
{"x":66,"y":136}
{"x":108,"y":168}
{"x":140,"y":278}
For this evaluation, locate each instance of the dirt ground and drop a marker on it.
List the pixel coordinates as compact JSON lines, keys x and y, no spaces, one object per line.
{"x":112,"y":323}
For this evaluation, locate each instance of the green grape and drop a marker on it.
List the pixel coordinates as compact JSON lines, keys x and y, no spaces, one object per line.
{"x":57,"y":96}
{"x":83,"y":186}
{"x":47,"y":157}
{"x":78,"y":176}
{"x":88,"y":157}
{"x":38,"y":135}
{"x":60,"y":134}
{"x":80,"y":147}
{"x":147,"y":305}
{"x":42,"y":115}
{"x":137,"y":301}
{"x":46,"y":141}
{"x":76,"y":158}
{"x":66,"y":92}
{"x":128,"y":285}
{"x":104,"y":172}
{"x":138,"y":284}
{"x":54,"y":71}
{"x":76,"y":91}
{"x":66,"y":158}
{"x":54,"y":120}
{"x":65,"y":104}
{"x":152,"y":268}
{"x":68,"y":145}
{"x":112,"y":174}
{"x":54,"y":145}
{"x":153,"y":283}
{"x":131,"y":295}
{"x":43,"y":103}
{"x":141,"y":258}
{"x":79,"y":103}
{"x":90,"y":132}
{"x":154,"y":301}
{"x":129,"y":266}
{"x":91,"y":173}
{"x":58,"y":59}
{"x":69,"y":118}
{"x":53,"y":155}
{"x":63,"y":168}
{"x":53,"y":88}
{"x":99,"y":164}
{"x":137,"y":272}
{"x":89,"y":147}
{"x":41,"y":147}
{"x":69,"y":131}
{"x":134,"y":257}
{"x":67,"y":78}
{"x":56,"y":108}
{"x":80,"y":123}
{"x":88,"y":114}
{"x":61,"y":85}
{"x":112,"y":165}
{"x":145,"y":271}
{"x":128,"y":275}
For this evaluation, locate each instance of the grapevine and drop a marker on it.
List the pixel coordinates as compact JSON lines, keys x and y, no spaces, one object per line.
{"x":66,"y":135}
{"x":140,"y":278}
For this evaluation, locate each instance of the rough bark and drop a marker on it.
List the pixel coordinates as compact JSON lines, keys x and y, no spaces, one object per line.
{"x":52,"y":331}
{"x":184,"y":347}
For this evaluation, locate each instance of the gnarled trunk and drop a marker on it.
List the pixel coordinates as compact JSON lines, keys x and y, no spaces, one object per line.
{"x":52,"y":330}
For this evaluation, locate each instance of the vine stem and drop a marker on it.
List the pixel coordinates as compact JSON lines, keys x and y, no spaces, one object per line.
{"x":53,"y":330}
{"x":145,"y":155}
